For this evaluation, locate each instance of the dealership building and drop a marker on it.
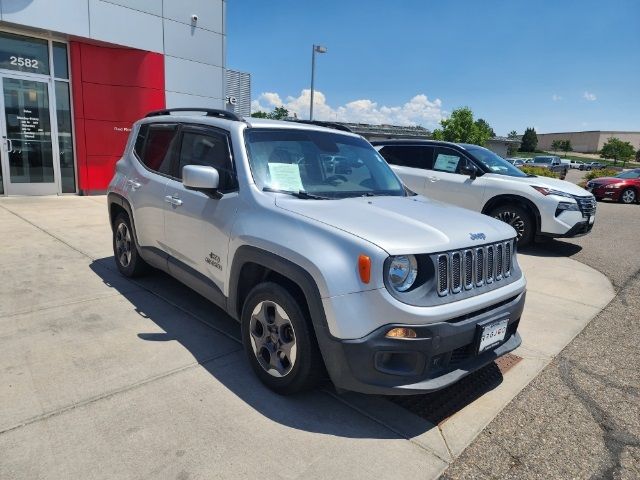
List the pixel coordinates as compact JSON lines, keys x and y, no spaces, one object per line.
{"x":76,"y":74}
{"x":587,"y":142}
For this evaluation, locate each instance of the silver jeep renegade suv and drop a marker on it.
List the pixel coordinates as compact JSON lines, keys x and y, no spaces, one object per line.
{"x":307,"y":237}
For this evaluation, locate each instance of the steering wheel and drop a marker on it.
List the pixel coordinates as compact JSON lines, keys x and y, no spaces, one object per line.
{"x":334,"y":178}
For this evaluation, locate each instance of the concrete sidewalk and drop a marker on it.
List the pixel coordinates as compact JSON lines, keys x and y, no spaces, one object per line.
{"x":104,"y":377}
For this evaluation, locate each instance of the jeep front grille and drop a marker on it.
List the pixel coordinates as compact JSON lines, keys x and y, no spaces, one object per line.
{"x":466,"y":269}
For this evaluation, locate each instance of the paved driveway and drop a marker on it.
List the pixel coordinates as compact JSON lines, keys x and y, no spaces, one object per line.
{"x":104,"y":377}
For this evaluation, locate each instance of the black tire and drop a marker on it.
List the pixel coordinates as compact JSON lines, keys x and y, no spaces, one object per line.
{"x":307,"y":368}
{"x":519,"y":218}
{"x":629,"y":195}
{"x":125,"y":253}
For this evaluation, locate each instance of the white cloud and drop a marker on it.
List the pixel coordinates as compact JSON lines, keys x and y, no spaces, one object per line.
{"x":591,"y":97}
{"x":556,"y":98}
{"x":419,"y":110}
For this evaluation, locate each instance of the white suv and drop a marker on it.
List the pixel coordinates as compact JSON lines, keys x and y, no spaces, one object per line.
{"x":307,"y":237}
{"x":476,"y":178}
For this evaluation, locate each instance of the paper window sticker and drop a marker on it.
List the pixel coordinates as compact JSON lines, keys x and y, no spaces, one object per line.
{"x":446,"y":163}
{"x":285,"y":176}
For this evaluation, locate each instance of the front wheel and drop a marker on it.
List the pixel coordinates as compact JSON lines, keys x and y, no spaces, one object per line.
{"x":628,"y":196}
{"x":126,"y":255}
{"x":279,"y":340}
{"x":519,"y":218}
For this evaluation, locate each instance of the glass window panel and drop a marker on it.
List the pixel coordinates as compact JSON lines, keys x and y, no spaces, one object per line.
{"x":65,"y":138}
{"x":26,"y":105}
{"x":24,"y":54}
{"x":60,"y":63}
{"x":157,"y":151}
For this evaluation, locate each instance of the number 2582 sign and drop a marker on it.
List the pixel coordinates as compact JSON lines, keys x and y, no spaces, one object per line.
{"x":23,"y":62}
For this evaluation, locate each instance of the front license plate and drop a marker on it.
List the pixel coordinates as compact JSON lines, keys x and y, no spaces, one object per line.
{"x":492,"y":335}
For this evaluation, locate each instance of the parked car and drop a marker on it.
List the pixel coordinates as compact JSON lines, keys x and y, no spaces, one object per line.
{"x":551,"y":162}
{"x":575,"y":164}
{"x":592,"y":166}
{"x":624,"y":187}
{"x":476,"y":178}
{"x":519,"y":163}
{"x":307,"y":237}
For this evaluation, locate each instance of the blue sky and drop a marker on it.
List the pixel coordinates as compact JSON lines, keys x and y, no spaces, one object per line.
{"x":559,"y":65}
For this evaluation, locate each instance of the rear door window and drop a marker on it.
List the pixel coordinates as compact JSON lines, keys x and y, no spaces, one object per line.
{"x":448,"y":160}
{"x":157,"y":152}
{"x":413,"y":156}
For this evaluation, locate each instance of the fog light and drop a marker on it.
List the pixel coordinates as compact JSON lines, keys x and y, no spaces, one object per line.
{"x":401,"y":332}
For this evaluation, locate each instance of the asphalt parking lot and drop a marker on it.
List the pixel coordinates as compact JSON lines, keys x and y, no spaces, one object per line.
{"x":580,"y":418}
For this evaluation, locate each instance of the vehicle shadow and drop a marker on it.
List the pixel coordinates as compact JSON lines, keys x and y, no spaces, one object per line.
{"x":551,"y":248}
{"x":317,"y":411}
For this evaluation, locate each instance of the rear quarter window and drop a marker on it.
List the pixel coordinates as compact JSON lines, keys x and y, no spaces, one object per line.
{"x":157,"y":152}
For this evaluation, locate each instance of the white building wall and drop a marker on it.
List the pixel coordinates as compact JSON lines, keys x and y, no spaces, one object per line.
{"x":194,"y":51}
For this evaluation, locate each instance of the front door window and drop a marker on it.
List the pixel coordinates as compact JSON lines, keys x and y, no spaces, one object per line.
{"x":28,"y":140}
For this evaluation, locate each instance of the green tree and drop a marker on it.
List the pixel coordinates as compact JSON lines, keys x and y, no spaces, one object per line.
{"x":483,"y":124}
{"x":529,"y":140}
{"x":512,"y":135}
{"x":278,"y":113}
{"x":566,"y":147}
{"x":618,"y":150}
{"x":460,"y":127}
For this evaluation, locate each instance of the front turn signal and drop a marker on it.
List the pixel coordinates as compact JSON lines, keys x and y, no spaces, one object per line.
{"x":364,"y":268}
{"x":401,"y":332}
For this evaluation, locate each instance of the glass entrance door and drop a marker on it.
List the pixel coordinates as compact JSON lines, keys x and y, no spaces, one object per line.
{"x":29,"y":162}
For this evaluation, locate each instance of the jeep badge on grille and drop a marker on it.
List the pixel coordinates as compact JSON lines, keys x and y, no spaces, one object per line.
{"x":477,"y":236}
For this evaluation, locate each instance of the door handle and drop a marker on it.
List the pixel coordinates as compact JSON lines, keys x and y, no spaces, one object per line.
{"x":134,"y":184}
{"x":9,"y":145}
{"x":432,"y":179}
{"x":173,"y":200}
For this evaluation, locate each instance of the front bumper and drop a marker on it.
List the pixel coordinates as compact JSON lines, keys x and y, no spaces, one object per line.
{"x":608,"y":193}
{"x":443,"y":353}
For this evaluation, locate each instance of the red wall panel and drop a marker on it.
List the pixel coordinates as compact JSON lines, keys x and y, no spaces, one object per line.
{"x":111,"y":88}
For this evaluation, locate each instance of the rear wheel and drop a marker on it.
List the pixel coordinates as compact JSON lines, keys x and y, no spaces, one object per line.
{"x":628,"y":196}
{"x":127,"y":258}
{"x":519,"y":218}
{"x":279,"y":341}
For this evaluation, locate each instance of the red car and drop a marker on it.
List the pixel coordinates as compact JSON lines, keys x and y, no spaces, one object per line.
{"x":624,"y":187}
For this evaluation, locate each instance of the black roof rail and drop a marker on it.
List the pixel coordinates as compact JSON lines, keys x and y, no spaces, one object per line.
{"x":209,"y":112}
{"x":320,"y":123}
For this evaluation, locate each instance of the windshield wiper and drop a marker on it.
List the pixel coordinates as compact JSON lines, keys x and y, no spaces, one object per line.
{"x":299,"y":194}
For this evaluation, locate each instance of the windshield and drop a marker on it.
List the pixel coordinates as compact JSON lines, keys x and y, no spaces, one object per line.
{"x":495,"y":163}
{"x":324,"y":164}
{"x":543,"y":160}
{"x":629,"y":174}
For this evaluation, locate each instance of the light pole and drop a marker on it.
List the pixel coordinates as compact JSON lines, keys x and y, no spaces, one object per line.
{"x":315,"y":49}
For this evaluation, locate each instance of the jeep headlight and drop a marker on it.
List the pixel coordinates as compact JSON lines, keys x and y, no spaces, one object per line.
{"x":402,"y":272}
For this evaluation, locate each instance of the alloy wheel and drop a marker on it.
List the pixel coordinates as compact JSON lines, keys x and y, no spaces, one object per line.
{"x":628,"y":196}
{"x":514,"y":220}
{"x":123,"y":244}
{"x":273,"y":338}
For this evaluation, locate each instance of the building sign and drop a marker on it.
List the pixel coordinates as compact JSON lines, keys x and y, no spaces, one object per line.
{"x":24,"y":54}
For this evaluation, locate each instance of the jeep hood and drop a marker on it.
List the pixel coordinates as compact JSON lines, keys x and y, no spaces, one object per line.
{"x":402,"y":225}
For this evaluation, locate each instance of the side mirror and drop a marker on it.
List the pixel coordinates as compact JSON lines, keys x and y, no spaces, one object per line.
{"x":469,"y":169}
{"x":201,"y":178}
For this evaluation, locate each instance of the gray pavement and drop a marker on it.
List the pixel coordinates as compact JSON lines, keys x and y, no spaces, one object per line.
{"x":580,"y":418}
{"x":104,"y":377}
